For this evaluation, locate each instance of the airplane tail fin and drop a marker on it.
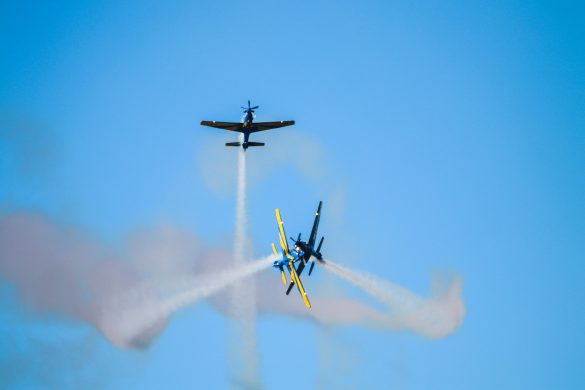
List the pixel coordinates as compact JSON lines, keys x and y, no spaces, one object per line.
{"x":232,"y":144}
{"x":255,"y":143}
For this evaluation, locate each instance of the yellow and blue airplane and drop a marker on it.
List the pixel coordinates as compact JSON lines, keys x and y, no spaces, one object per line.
{"x":247,"y":126}
{"x":303,"y":252}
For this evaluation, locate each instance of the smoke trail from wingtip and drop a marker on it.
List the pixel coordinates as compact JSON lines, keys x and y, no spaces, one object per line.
{"x":133,"y":314}
{"x":435,"y":317}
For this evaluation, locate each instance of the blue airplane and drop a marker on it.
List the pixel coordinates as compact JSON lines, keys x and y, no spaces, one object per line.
{"x":303,"y":252}
{"x":247,"y":126}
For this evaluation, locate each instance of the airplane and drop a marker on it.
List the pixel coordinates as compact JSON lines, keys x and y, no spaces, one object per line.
{"x":247,"y":127}
{"x":303,"y":252}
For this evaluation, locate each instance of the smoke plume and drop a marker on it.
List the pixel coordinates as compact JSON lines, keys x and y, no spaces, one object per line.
{"x":243,"y":346}
{"x":129,"y":293}
{"x":435,"y":317}
{"x":65,"y":271}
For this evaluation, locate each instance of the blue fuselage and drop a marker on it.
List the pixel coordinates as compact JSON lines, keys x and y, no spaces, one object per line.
{"x":285,"y":261}
{"x":246,"y":121}
{"x":247,"y":118}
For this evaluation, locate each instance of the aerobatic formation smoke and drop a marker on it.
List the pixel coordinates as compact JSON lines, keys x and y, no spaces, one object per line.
{"x":130,"y":292}
{"x":62,"y":270}
{"x":435,"y":317}
{"x":243,"y":307}
{"x":240,"y":244}
{"x":134,"y":312}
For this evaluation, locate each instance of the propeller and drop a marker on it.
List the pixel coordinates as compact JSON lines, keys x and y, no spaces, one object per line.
{"x":297,"y":240}
{"x":250,"y":108}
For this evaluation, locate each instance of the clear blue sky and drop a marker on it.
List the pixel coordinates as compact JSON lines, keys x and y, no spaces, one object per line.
{"x":445,"y":137}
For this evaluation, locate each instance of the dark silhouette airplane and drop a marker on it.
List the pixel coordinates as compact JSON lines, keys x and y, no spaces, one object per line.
{"x":247,"y":126}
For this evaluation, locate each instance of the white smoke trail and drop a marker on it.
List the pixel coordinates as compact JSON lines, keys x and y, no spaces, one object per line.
{"x":390,"y":294}
{"x":240,"y":246}
{"x":435,"y":317}
{"x":148,"y":306}
{"x":247,"y":361}
{"x":60,"y":269}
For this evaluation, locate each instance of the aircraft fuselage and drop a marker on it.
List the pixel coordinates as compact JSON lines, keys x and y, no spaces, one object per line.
{"x":307,"y":252}
{"x":247,"y":126}
{"x":285,"y":261}
{"x":246,"y":122}
{"x":247,"y":119}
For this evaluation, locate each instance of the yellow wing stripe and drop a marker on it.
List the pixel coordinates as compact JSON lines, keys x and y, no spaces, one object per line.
{"x":283,"y":277}
{"x":292,"y":273}
{"x":283,"y":241}
{"x":301,"y":288}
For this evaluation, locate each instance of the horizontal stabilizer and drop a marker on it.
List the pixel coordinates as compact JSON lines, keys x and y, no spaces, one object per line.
{"x":255,"y":143}
{"x":312,"y":266}
{"x":320,"y":243}
{"x":232,"y":144}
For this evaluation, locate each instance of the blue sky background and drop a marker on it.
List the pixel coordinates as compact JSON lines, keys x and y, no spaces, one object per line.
{"x":445,"y":137}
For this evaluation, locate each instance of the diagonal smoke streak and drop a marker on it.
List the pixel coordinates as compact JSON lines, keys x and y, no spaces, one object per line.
{"x":392,"y":295}
{"x":147,"y":305}
{"x":435,"y":317}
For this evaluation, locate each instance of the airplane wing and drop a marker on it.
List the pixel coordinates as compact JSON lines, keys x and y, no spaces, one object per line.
{"x":262,"y":126}
{"x":313,"y":236}
{"x":282,"y":237}
{"x":294,"y":276}
{"x":299,"y":271}
{"x":231,"y":126}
